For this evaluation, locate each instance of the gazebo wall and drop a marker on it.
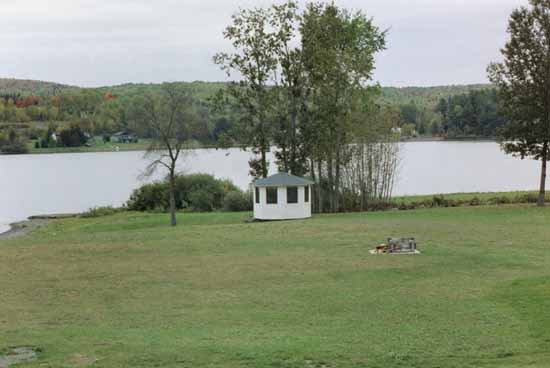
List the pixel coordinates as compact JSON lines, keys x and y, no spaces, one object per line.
{"x":282,"y":210}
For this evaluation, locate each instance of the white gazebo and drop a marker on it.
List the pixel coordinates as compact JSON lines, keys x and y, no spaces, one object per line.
{"x":282,"y":197}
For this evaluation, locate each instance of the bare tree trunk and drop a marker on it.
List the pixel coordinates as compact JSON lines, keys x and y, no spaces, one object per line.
{"x":362,"y":178}
{"x":542,"y":191}
{"x":330,"y":177}
{"x":319,"y":187}
{"x":312,"y":171}
{"x":173,"y":196}
{"x":286,"y":167}
{"x":264,"y":163}
{"x":337,"y":182}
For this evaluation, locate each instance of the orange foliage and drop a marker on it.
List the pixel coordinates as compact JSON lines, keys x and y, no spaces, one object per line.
{"x":109,"y":96}
{"x":27,"y":101}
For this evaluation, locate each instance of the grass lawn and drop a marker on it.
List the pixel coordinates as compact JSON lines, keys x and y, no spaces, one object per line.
{"x":129,"y":291}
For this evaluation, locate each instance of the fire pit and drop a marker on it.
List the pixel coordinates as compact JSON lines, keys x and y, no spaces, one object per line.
{"x":397,"y":246}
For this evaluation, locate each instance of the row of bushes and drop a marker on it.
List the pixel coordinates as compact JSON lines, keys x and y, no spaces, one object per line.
{"x":449,"y":201}
{"x":195,"y":192}
{"x":441,"y":201}
{"x":101,"y":211}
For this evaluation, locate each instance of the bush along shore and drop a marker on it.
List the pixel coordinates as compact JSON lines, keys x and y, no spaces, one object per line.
{"x":195,"y":192}
{"x":204,"y":193}
{"x":462,"y":200}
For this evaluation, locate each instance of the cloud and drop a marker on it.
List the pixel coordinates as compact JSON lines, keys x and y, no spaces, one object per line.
{"x":101,"y":42}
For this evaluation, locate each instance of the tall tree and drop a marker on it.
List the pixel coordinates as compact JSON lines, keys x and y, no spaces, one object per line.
{"x":291,"y":91}
{"x":523,"y":82}
{"x":169,"y":117}
{"x":339,"y":48}
{"x":254,"y":60}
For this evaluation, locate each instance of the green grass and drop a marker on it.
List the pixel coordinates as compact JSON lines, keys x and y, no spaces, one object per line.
{"x":130,"y":291}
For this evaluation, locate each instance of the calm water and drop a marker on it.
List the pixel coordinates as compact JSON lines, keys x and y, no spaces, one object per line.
{"x":64,"y":183}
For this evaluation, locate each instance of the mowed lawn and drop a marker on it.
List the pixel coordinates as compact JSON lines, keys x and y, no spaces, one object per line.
{"x":129,"y":291}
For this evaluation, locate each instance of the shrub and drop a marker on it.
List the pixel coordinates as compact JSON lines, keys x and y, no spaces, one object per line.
{"x":500,"y":200}
{"x":201,"y":200}
{"x":149,"y":197}
{"x":100,"y":211}
{"x":475,"y":201}
{"x":439,"y":201}
{"x":187,"y":184}
{"x":198,"y":192}
{"x":237,"y":201}
{"x":532,"y":198}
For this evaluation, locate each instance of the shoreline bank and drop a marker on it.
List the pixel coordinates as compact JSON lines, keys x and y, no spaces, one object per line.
{"x":406,"y":202}
{"x":21,"y":228}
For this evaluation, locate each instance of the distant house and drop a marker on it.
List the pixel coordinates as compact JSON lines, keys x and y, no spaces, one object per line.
{"x":282,"y":197}
{"x":124,"y":137}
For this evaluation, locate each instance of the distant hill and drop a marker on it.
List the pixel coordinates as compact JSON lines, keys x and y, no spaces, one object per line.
{"x":421,"y":96}
{"x":426,"y":96}
{"x":30,"y":87}
{"x":201,"y":90}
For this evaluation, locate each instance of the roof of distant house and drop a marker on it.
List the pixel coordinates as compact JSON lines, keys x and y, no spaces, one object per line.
{"x":283,"y":180}
{"x":119,"y":134}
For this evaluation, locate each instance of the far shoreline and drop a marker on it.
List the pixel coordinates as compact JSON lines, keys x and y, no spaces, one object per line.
{"x":55,"y":151}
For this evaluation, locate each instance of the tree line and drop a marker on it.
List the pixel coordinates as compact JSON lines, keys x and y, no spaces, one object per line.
{"x":473,"y":114}
{"x":306,"y":93}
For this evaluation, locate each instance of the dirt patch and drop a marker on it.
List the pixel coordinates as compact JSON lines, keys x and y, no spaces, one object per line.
{"x":18,"y":355}
{"x":79,"y":360}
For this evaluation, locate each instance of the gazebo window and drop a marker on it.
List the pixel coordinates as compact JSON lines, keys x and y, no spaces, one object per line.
{"x":292,"y":195}
{"x":257,"y":195}
{"x":271,"y":195}
{"x":306,"y":194}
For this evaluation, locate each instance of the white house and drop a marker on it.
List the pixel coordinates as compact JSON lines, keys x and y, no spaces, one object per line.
{"x":282,"y":197}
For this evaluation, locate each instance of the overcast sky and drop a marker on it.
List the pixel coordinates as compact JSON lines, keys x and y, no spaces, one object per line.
{"x":106,"y":42}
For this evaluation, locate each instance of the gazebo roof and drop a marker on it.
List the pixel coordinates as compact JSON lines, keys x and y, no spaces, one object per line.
{"x":283,"y":180}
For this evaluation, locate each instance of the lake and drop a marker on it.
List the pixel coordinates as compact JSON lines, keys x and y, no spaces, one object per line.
{"x":66,"y":183}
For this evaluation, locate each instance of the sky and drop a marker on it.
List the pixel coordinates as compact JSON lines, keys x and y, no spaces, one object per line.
{"x":106,"y":42}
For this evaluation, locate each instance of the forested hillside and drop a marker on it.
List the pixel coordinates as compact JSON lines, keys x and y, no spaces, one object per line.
{"x":9,"y":86}
{"x":34,"y":110}
{"x":422,"y":96}
{"x":426,"y":96}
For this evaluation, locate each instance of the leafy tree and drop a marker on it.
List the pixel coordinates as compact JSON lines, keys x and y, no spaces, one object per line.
{"x":523,"y":82}
{"x":13,"y":143}
{"x":338,"y":51}
{"x":254,"y":59}
{"x":471,"y":114}
{"x":409,"y":114}
{"x":73,"y":136}
{"x":169,"y":116}
{"x":291,"y":91}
